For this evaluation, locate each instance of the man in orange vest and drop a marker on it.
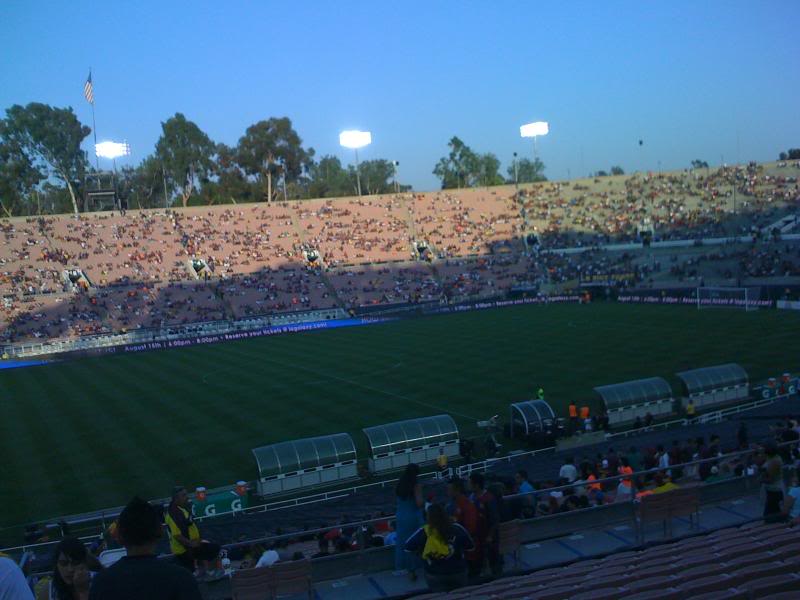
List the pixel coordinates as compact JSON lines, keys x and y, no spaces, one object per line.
{"x":573,"y":415}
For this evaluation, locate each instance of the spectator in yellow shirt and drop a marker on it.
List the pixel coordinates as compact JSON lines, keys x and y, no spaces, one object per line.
{"x":184,"y":538}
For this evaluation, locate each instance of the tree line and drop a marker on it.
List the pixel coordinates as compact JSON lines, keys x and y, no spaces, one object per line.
{"x":463,"y":167}
{"x":44,"y":170}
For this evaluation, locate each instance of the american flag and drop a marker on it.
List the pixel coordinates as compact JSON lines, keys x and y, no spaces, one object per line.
{"x":88,"y":90}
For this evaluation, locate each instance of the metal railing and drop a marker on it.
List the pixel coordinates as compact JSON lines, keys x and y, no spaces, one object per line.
{"x":166,"y":333}
{"x":536,"y":528}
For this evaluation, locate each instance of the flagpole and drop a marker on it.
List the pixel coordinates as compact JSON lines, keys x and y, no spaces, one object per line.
{"x":94,"y":127}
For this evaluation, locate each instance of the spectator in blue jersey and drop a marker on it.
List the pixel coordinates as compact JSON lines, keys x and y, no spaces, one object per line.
{"x":442,"y":544}
{"x":409,"y":518}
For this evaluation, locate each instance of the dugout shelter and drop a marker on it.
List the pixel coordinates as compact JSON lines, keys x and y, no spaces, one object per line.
{"x":630,"y":399}
{"x":394,"y":445}
{"x":297,"y":464}
{"x":711,"y":386}
{"x":531,"y":417}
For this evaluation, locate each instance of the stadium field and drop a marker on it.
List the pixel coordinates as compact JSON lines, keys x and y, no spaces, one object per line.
{"x":90,"y":433}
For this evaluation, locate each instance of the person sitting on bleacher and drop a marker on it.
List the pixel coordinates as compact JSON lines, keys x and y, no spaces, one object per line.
{"x":72,"y":572}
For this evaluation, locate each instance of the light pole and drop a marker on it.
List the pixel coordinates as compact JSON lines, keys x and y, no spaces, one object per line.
{"x":516,"y":178}
{"x":112,"y":151}
{"x":355,"y":139}
{"x":395,"y":164}
{"x":534,"y":130}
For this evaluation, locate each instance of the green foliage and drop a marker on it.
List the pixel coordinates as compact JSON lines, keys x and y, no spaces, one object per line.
{"x":376,"y":176}
{"x":143,"y":186}
{"x":488,"y":170}
{"x":41,"y":138}
{"x":187,"y":155}
{"x":617,"y":170}
{"x":463,"y":167}
{"x":459,"y":167}
{"x":528,"y":171}
{"x":272,"y":149}
{"x":792,"y":154}
{"x":230,"y":184}
{"x":699,"y":164}
{"x":18,"y":177}
{"x":328,"y":179}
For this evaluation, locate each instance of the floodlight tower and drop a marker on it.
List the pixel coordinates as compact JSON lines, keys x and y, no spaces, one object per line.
{"x":534,"y":130}
{"x":112,"y":150}
{"x":355,"y":139}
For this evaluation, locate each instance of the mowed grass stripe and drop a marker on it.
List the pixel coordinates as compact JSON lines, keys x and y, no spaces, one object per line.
{"x":473,"y":363}
{"x":51,"y":437}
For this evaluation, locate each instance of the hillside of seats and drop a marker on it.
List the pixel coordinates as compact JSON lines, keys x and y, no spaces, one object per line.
{"x":679,"y":205}
{"x":361,"y":252}
{"x":752,"y":561}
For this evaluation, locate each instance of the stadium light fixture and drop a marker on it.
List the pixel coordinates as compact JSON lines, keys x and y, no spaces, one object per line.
{"x":534,"y":130}
{"x":355,"y":139}
{"x":112,"y":150}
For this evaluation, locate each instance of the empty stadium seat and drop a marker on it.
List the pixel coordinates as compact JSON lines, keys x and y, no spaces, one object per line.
{"x":670,"y":593}
{"x":759,"y":588}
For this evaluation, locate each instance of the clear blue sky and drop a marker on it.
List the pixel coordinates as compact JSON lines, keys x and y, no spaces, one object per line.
{"x":692,"y":79}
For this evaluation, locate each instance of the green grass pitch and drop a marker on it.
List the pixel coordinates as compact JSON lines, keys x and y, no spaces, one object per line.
{"x":88,"y":434}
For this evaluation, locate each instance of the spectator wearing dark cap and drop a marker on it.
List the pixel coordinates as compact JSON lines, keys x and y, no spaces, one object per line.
{"x":140,"y":574}
{"x":184,"y":537}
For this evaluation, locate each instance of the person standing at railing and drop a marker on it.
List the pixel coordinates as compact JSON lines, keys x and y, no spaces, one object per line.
{"x":185,"y":540}
{"x":409,"y":518}
{"x":772,"y":479}
{"x":486,"y":541}
{"x":691,"y":411}
{"x":443,"y":545}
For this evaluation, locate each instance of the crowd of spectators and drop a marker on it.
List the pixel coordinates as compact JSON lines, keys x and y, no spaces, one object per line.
{"x":449,"y":534}
{"x":136,"y":269}
{"x":690,"y":204}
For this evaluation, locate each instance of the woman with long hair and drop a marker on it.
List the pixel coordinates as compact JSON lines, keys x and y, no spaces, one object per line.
{"x":408,"y":519}
{"x":71,"y":572}
{"x":442,"y":544}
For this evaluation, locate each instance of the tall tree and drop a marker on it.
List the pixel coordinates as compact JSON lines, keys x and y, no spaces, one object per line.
{"x":528,"y":171}
{"x":270,"y":150}
{"x":50,"y":138}
{"x":143,"y":186}
{"x":327,"y":178}
{"x":229,"y":183}
{"x":18,"y":177}
{"x":186,"y":153}
{"x":488,"y":170}
{"x":377,"y":176}
{"x":461,"y":167}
